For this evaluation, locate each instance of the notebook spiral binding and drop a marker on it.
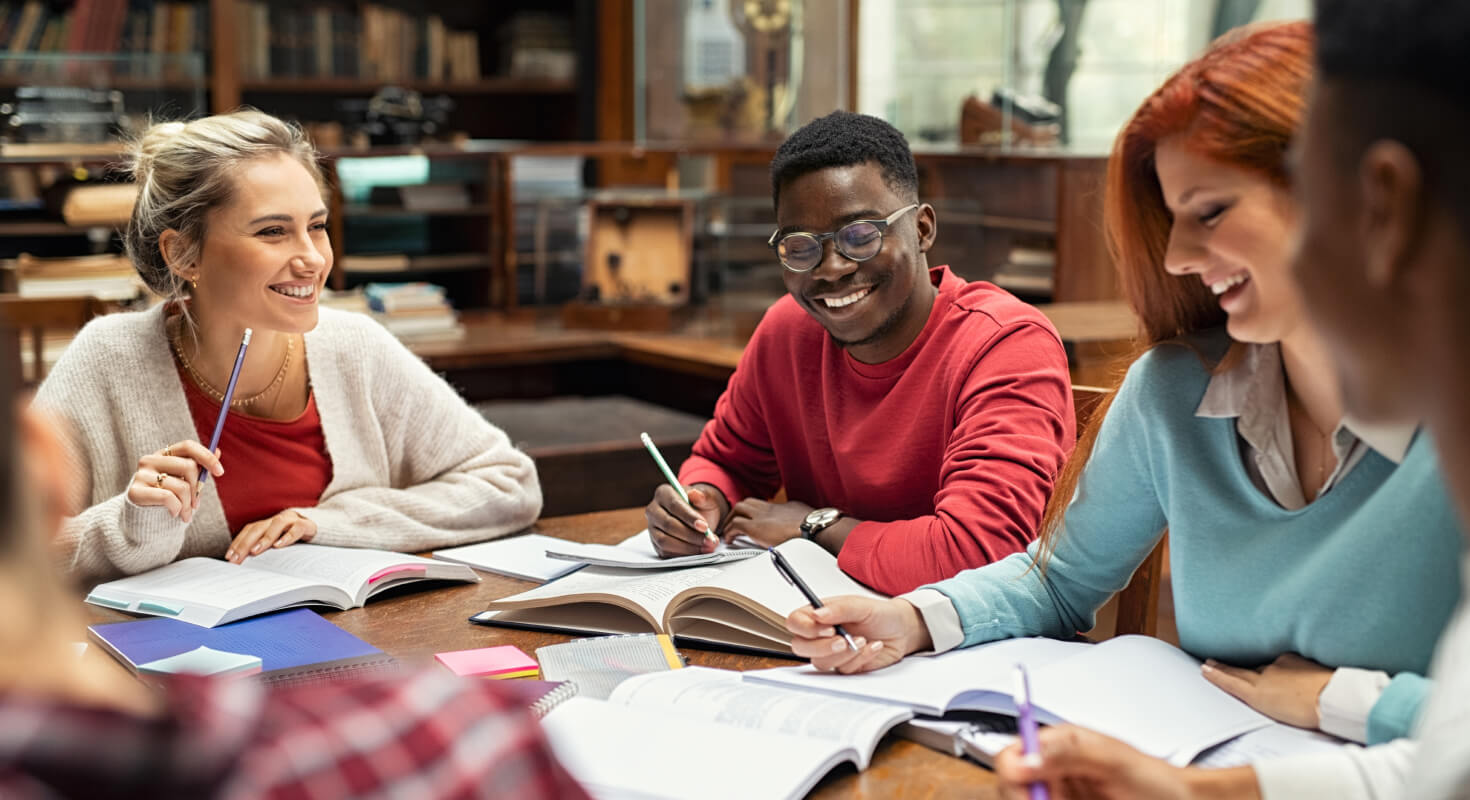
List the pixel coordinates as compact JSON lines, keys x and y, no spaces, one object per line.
{"x":355,"y":669}
{"x":566,"y":691}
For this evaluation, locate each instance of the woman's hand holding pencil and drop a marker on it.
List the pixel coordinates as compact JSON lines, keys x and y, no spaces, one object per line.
{"x":168,"y":478}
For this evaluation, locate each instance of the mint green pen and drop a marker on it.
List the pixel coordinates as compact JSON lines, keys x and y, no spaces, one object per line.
{"x":663,"y":466}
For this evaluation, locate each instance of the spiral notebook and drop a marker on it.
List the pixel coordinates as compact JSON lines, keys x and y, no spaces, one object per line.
{"x":597,"y":665}
{"x":540,"y":696}
{"x":295,"y":647}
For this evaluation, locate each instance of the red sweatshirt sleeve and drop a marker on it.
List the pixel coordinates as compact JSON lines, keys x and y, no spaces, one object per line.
{"x":734,"y":451}
{"x":1014,"y":428}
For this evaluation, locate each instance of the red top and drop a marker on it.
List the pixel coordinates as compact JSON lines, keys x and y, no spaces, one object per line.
{"x":270,"y":465}
{"x":947,"y":451}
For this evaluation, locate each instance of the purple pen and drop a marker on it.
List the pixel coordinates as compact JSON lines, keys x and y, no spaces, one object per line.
{"x":224,"y":409}
{"x":1026,"y":723}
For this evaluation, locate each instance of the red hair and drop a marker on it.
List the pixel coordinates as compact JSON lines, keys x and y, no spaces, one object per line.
{"x":1238,"y":104}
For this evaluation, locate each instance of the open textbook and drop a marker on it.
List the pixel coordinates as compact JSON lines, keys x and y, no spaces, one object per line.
{"x":704,"y":733}
{"x":1141,"y":690}
{"x":209,"y":592}
{"x":742,"y":604}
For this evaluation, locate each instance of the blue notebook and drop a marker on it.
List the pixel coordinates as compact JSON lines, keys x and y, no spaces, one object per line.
{"x":296,"y":646}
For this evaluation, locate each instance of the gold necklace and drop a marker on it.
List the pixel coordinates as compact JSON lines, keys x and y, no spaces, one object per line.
{"x":176,"y":343}
{"x":1325,"y":448}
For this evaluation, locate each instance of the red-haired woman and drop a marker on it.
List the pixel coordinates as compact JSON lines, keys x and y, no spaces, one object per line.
{"x":1313,"y":558}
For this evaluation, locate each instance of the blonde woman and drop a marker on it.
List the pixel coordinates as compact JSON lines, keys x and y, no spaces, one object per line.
{"x":336,"y":433}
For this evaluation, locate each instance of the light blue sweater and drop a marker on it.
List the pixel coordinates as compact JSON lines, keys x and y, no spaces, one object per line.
{"x":1366,"y":576}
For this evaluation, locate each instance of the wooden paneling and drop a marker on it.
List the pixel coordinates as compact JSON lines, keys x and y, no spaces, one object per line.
{"x":1084,"y":269}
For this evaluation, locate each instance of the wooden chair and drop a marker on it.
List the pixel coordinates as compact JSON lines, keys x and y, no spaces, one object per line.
{"x":33,"y":316}
{"x":1138,"y":603}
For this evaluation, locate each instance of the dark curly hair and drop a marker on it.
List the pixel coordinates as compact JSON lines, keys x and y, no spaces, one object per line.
{"x":844,"y":139}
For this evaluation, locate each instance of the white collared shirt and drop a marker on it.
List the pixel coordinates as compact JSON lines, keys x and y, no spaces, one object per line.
{"x":1253,"y":391}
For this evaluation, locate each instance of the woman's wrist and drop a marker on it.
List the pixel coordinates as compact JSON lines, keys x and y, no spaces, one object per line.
{"x":917,"y":635}
{"x":1234,"y":783}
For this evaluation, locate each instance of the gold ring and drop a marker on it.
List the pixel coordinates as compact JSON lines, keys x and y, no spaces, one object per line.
{"x":160,"y":479}
{"x":168,"y":451}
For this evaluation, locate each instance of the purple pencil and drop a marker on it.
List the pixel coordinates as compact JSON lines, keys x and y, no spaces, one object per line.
{"x":1026,"y":722}
{"x":224,"y":409}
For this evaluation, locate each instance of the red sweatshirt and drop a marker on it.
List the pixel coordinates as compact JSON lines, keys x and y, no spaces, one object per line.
{"x":946,"y":452}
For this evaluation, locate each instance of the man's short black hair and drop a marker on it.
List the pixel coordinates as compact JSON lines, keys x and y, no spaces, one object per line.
{"x":1402,"y":66}
{"x":845,"y":139}
{"x":1420,"y":43}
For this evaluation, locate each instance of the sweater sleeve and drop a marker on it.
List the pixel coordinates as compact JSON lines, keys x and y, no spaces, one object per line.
{"x":112,"y":536}
{"x":1013,"y":428}
{"x":1350,"y":773}
{"x":455,"y":478}
{"x":1113,"y":522}
{"x":734,"y":452}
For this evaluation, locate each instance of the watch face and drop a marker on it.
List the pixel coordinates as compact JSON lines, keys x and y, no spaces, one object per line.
{"x":822,"y":517}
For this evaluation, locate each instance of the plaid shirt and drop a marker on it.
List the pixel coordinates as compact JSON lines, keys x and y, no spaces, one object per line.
{"x":425,"y":736}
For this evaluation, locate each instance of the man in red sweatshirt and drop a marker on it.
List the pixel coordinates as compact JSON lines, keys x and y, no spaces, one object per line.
{"x":915,"y":420}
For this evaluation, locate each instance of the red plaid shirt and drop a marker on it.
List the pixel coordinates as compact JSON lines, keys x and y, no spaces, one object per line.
{"x":425,"y":736}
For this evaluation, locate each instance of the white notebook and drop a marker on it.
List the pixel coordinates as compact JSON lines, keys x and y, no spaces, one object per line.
{"x":638,"y":552}
{"x":1141,"y":690}
{"x":704,"y":733}
{"x":521,"y":557}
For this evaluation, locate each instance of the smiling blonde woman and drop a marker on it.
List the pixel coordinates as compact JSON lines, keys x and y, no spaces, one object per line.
{"x":336,"y":433}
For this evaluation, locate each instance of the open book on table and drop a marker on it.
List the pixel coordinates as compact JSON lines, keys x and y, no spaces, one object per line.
{"x":1141,"y":690}
{"x":742,"y":604}
{"x":208,"y":591}
{"x":703,"y":732}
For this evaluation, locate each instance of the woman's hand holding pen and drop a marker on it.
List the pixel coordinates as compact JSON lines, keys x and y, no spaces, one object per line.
{"x":1078,"y":764}
{"x":287,"y":527}
{"x":885,"y":630}
{"x":169,"y":478}
{"x":680,"y":529}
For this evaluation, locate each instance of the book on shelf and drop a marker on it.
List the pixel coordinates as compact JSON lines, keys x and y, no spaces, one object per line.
{"x":105,"y":277}
{"x":659,"y":735}
{"x":1138,"y":689}
{"x":379,"y":262}
{"x":210,"y":592}
{"x":741,"y":604}
{"x":137,"y":28}
{"x":375,"y":43}
{"x":99,"y":204}
{"x":292,"y":646}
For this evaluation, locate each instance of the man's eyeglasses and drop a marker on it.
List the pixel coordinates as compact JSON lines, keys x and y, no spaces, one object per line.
{"x":858,"y":240}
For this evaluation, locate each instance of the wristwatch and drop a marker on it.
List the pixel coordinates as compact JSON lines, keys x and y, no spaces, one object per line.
{"x":818,"y":521}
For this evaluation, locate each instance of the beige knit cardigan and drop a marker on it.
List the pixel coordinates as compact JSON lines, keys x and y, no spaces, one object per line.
{"x":413,"y":466}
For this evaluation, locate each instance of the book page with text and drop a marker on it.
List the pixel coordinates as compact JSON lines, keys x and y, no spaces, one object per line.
{"x":346,"y":568}
{"x":206,"y":590}
{"x":621,"y":751}
{"x":758,"y":580}
{"x":648,"y":591}
{"x":716,"y":695}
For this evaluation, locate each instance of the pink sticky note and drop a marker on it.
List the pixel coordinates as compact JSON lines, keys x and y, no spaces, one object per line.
{"x":417,"y":569}
{"x":507,"y":661}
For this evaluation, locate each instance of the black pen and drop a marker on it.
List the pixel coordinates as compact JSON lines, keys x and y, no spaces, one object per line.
{"x":784,"y":567}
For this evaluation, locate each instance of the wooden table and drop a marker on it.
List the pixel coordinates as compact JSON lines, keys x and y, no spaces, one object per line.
{"x":414,"y":625}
